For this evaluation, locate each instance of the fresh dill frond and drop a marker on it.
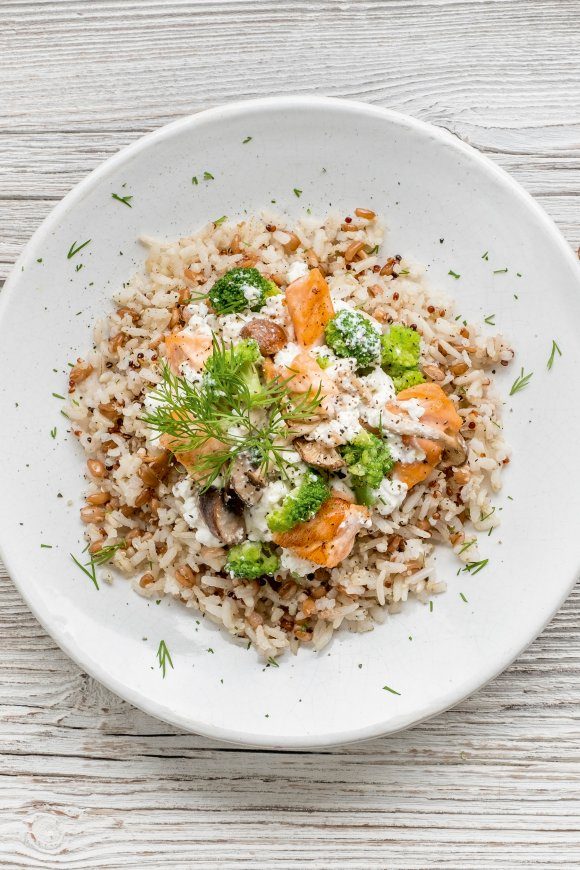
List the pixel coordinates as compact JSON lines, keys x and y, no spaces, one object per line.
{"x":520,"y":382}
{"x":104,"y":555}
{"x":229,"y":413}
{"x":163,"y":656}
{"x":555,"y":349}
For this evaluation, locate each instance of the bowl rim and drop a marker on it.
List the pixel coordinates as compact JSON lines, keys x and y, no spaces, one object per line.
{"x":264,"y":105}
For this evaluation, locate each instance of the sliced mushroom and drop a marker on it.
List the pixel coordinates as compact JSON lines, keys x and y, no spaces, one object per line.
{"x":222,"y":522}
{"x":246,"y":480}
{"x":319,"y":455}
{"x":455,"y":452}
{"x":271,"y":337}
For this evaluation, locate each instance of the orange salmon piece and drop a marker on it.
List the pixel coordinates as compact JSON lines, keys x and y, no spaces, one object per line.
{"x":439,"y":413}
{"x":310,"y":307}
{"x":329,"y":536}
{"x":192,"y":349}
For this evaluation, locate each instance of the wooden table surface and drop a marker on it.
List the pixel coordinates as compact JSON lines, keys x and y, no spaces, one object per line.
{"x":86,"y":781}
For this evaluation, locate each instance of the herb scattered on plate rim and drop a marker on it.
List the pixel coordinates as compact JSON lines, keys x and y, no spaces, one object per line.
{"x":490,"y":320}
{"x":475,"y":567}
{"x":391,"y":690}
{"x":297,"y":192}
{"x":246,"y":140}
{"x":453,"y":274}
{"x":207,"y":176}
{"x":164,"y":656}
{"x":520,"y":382}
{"x":463,"y":598}
{"x":555,"y":349}
{"x":53,"y":432}
{"x":126,"y":200}
{"x":74,"y":250}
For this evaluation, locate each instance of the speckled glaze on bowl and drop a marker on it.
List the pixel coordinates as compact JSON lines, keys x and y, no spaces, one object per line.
{"x":445,"y":205}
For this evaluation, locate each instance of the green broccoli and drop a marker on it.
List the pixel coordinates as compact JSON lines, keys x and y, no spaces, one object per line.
{"x":236,"y":361}
{"x":350,"y":333}
{"x":400,"y":347}
{"x":369,"y":460}
{"x":400,"y":350}
{"x":300,"y":505}
{"x":406,"y":378}
{"x":239,"y":289}
{"x":251,"y":560}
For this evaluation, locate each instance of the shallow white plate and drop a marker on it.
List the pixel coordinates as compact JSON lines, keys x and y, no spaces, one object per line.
{"x":446,"y":206}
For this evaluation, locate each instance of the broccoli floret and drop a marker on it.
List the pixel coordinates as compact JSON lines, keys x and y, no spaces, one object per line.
{"x":237,"y":360}
{"x":400,"y":350}
{"x":369,"y":460}
{"x":251,"y":560}
{"x":406,"y":378}
{"x":300,"y":505}
{"x":239,"y":289}
{"x":350,"y":333}
{"x":400,"y":347}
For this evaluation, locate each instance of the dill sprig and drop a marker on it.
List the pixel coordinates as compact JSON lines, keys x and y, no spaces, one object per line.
{"x":555,"y":349}
{"x":163,"y":656}
{"x":229,"y":413}
{"x":520,"y":382}
{"x":89,"y":569}
{"x":105,"y":554}
{"x":475,"y":567}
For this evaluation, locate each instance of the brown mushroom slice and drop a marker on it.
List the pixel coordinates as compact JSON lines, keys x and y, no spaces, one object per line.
{"x":226,"y":525}
{"x":455,"y":453}
{"x":319,"y":455}
{"x":246,"y":480}
{"x":271,"y":337}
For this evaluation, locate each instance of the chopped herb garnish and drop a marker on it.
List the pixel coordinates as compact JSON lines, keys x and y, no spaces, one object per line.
{"x":453,"y":274}
{"x":463,"y":598}
{"x":510,"y":497}
{"x":220,"y":220}
{"x":209,"y":649}
{"x":485,"y":256}
{"x":74,"y":249}
{"x":430,"y":607}
{"x":89,"y":569}
{"x":297,"y":192}
{"x":475,"y":567}
{"x":46,"y":546}
{"x":520,"y":382}
{"x":499,"y":271}
{"x":105,"y":554}
{"x":392,"y":691}
{"x":272,"y":661}
{"x":39,"y":260}
{"x":490,"y":320}
{"x":223,"y":407}
{"x":246,"y":140}
{"x":555,"y":349}
{"x":466,"y":546}
{"x":323,"y":361}
{"x":407,"y":272}
{"x":207,"y":176}
{"x":126,"y":200}
{"x":58,"y":396}
{"x":519,"y":274}
{"x":372,"y":251}
{"x":78,"y":267}
{"x":53,"y":432}
{"x":194,"y":180}
{"x":163,"y":656}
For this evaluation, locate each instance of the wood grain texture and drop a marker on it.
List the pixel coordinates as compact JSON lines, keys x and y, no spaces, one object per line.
{"x":86,"y":781}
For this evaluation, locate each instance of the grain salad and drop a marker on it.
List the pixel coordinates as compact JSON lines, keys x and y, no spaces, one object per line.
{"x":281,"y":422}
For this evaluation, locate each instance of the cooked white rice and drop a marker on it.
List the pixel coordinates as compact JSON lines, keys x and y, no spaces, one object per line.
{"x":166,"y":547}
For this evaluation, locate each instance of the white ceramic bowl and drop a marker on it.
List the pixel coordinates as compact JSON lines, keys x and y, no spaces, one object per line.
{"x":445,"y":205}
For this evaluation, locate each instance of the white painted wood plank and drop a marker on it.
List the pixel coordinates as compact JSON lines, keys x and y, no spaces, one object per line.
{"x":86,"y":781}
